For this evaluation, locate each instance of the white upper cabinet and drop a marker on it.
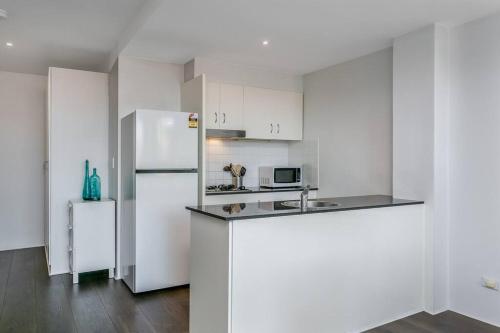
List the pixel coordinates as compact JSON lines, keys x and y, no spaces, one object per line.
{"x":224,"y":106}
{"x":258,"y":113}
{"x":264,"y":113}
{"x":272,"y":114}
{"x":212,"y":105}
{"x":231,"y":107}
{"x":289,"y":115}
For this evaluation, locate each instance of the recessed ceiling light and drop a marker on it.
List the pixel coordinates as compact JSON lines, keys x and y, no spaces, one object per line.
{"x":3,"y":14}
{"x":265,"y":43}
{"x":9,"y":44}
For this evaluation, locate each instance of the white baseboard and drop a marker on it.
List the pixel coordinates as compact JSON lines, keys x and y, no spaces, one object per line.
{"x":477,"y":318}
{"x":390,"y":320}
{"x":433,"y":313}
{"x":59,"y":272}
{"x":46,"y":258}
{"x":21,"y":247}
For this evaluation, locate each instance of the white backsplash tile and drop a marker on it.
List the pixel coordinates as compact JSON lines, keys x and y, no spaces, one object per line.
{"x":250,"y":154}
{"x":306,"y":153}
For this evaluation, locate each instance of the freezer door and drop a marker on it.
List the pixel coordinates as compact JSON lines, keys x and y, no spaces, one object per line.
{"x":166,"y":140}
{"x":163,"y":229}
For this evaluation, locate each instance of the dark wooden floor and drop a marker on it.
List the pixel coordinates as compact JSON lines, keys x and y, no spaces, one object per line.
{"x":446,"y":322}
{"x":30,"y":301}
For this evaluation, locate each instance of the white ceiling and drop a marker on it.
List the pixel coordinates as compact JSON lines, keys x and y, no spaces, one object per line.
{"x":305,"y":35}
{"x":76,"y":34}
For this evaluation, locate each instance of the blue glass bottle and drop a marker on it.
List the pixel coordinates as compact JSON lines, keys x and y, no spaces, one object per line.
{"x":86,"y":183}
{"x":95,"y":186}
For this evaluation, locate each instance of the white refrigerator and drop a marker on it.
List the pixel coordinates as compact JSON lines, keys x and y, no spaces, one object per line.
{"x":159,"y":177}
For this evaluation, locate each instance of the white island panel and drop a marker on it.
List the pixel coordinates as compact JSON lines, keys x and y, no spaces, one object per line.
{"x":332,"y":272}
{"x":210,"y":275}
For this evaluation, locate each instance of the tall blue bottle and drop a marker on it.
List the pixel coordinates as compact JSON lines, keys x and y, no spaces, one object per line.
{"x":95,"y":186}
{"x":86,"y":183}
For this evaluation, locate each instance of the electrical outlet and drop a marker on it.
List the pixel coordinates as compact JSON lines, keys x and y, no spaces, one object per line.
{"x":490,"y":283}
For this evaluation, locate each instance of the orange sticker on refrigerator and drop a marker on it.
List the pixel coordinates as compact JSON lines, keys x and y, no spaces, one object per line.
{"x":193,"y":120}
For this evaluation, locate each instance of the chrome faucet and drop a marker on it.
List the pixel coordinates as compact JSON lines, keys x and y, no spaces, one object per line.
{"x":304,"y":197}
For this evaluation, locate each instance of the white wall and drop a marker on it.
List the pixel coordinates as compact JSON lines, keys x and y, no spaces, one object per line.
{"x":306,"y":153}
{"x":147,"y":84}
{"x":420,"y":145}
{"x":414,"y":114}
{"x":22,"y":151}
{"x":141,"y":84}
{"x":349,"y":108}
{"x":475,"y":168}
{"x":219,"y":70}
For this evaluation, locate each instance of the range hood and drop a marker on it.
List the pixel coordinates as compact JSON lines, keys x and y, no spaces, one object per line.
{"x":225,"y":134}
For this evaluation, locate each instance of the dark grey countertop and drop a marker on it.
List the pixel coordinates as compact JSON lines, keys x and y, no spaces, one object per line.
{"x":242,"y":211}
{"x":261,"y":190}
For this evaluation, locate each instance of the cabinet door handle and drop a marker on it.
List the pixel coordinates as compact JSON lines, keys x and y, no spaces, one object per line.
{"x":215,"y":113}
{"x":223,"y":117}
{"x":278,"y":128}
{"x":271,"y":128}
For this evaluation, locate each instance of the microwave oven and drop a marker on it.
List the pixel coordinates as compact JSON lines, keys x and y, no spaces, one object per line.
{"x":275,"y":177}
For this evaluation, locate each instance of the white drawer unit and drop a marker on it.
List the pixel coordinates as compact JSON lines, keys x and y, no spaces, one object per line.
{"x":91,"y":236}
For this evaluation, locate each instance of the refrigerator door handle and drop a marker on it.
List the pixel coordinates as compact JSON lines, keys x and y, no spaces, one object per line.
{"x":166,"y":171}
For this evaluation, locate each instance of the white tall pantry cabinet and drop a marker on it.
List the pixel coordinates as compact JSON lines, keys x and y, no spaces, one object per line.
{"x":77,"y":129}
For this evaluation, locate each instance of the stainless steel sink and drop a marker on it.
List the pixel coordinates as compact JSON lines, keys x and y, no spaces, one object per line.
{"x":310,"y":204}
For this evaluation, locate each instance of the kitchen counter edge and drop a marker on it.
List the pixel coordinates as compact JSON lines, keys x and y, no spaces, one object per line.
{"x":212,"y":210}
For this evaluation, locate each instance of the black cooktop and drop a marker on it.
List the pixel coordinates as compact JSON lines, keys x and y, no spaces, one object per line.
{"x":226,"y":188}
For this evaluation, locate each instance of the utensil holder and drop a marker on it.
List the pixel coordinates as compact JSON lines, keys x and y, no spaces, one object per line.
{"x":237,"y":181}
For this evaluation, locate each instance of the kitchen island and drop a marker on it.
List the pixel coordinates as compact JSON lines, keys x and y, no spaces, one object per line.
{"x":270,"y":267}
